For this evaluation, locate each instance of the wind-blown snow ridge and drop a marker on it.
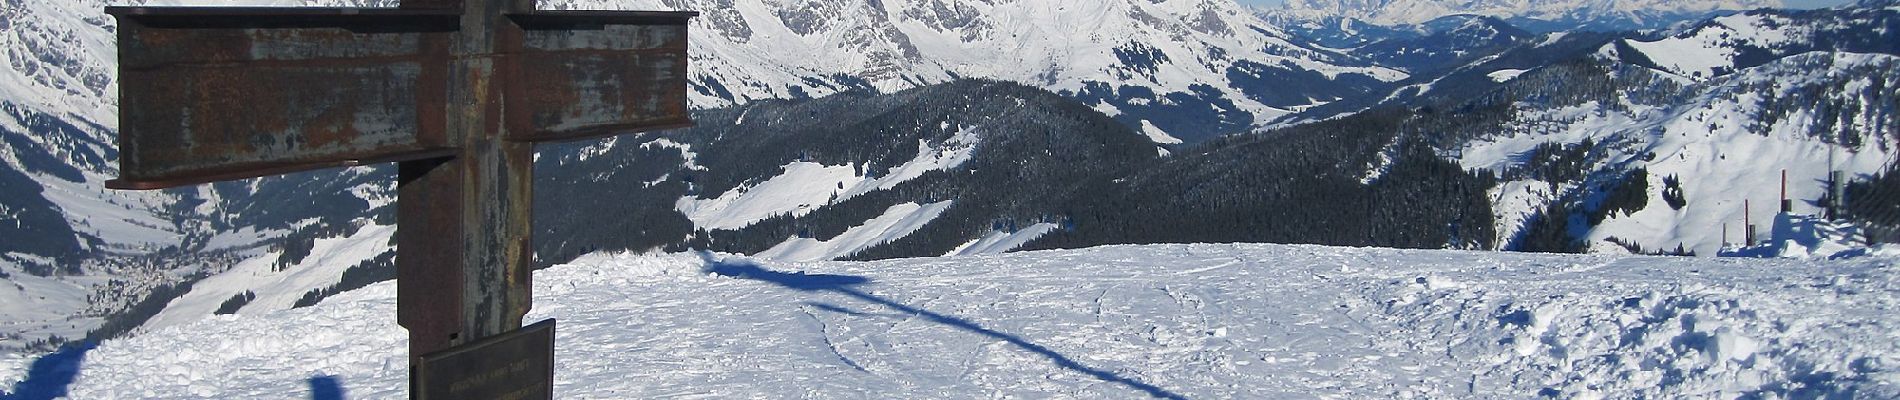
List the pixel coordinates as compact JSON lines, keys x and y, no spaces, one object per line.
{"x":1194,"y":321}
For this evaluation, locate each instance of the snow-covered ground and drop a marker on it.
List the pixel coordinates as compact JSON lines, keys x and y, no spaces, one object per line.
{"x":1186,"y":321}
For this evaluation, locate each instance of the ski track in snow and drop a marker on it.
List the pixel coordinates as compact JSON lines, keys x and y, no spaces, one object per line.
{"x":1193,"y":321}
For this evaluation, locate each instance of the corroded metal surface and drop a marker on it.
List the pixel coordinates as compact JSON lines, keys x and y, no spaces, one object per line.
{"x":239,"y":94}
{"x":587,"y":75}
{"x":429,"y":273}
{"x":224,"y":93}
{"x":457,"y":92}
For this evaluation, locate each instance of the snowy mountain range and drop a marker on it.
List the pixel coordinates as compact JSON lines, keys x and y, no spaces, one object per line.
{"x":1537,"y":15}
{"x":1184,"y":70}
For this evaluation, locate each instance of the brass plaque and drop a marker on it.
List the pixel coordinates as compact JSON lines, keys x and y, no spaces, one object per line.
{"x":517,"y":365}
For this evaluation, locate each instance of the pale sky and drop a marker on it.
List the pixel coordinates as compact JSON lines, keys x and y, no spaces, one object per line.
{"x":1795,"y":3}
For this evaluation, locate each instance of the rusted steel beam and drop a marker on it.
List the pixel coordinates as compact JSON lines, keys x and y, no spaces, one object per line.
{"x":212,"y":94}
{"x":588,"y":74}
{"x":269,"y":16}
{"x":429,"y":274}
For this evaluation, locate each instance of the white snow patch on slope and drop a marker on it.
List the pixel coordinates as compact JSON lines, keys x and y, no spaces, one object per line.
{"x":898,"y":221}
{"x":34,"y":307}
{"x":1710,"y":51}
{"x":1197,"y":321}
{"x":1719,"y":144}
{"x":1514,"y":203}
{"x":955,"y":151}
{"x":1686,"y":56}
{"x":686,"y":152}
{"x":806,"y":186}
{"x":802,"y":187}
{"x":1157,"y":135}
{"x":999,"y":242}
{"x":125,"y":221}
{"x":1733,"y":162}
{"x":1566,"y":125}
{"x":1505,"y":75}
{"x":276,"y":289}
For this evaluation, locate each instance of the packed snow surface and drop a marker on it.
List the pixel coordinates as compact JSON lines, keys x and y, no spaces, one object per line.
{"x":1181,"y":321}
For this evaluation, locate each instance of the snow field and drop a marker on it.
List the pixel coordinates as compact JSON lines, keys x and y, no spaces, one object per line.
{"x":800,"y":189}
{"x":34,"y":308}
{"x":898,"y":221}
{"x":804,"y":187}
{"x":999,"y":242}
{"x":1712,"y":51}
{"x":277,"y":289}
{"x":1193,"y":321}
{"x":1504,"y":75}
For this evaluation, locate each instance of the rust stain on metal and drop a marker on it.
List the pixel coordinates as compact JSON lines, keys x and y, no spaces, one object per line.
{"x":457,"y":93}
{"x":216,"y":93}
{"x":429,"y":274}
{"x":591,"y":74}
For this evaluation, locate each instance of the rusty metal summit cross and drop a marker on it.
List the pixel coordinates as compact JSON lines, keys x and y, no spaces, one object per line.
{"x":456,"y":91}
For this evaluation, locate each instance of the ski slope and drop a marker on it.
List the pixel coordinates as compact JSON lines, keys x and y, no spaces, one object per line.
{"x":1178,"y":321}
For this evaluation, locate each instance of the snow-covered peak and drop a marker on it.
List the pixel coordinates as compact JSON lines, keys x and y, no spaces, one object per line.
{"x":747,"y":50}
{"x":1407,"y":12}
{"x":59,"y":57}
{"x":1727,"y":44}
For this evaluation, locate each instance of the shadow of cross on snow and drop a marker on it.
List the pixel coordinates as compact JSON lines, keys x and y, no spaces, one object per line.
{"x":51,"y":374}
{"x":846,"y":285}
